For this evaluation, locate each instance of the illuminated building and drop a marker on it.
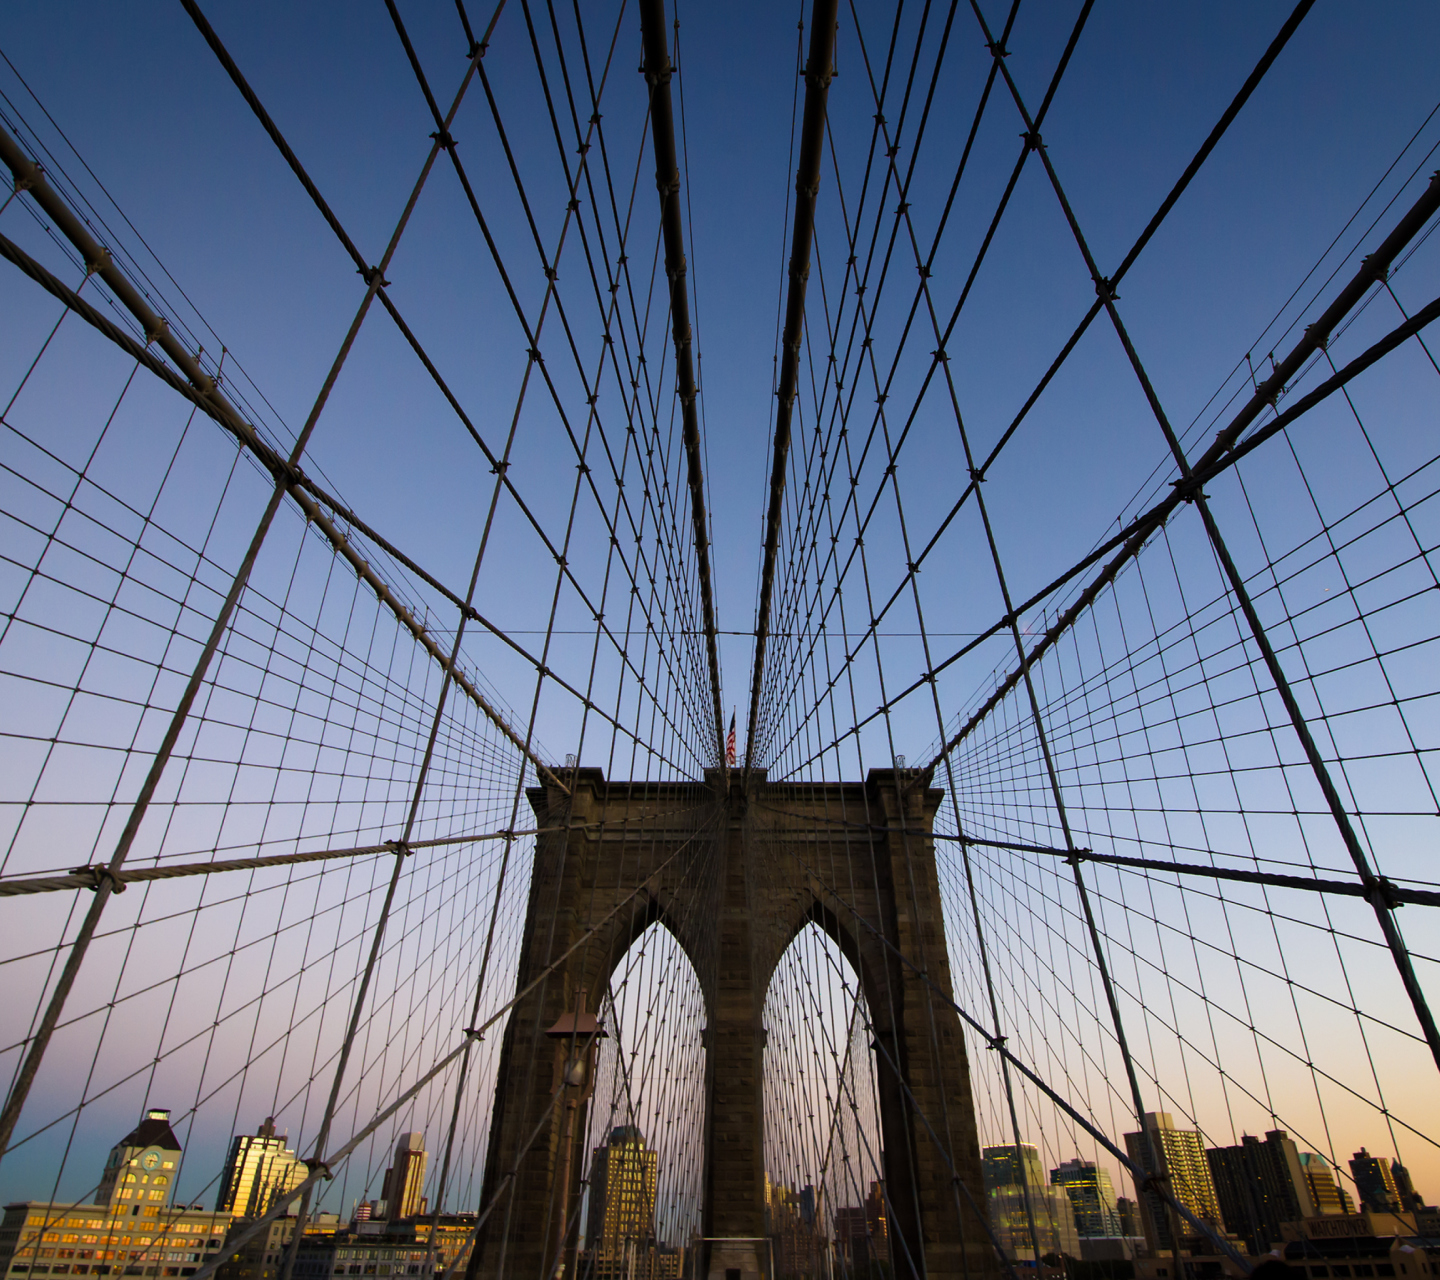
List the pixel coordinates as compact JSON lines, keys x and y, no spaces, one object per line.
{"x":622,"y":1200}
{"x":1017,"y":1196}
{"x":793,"y":1224}
{"x":261,"y":1257}
{"x":1092,"y":1197}
{"x":134,"y":1230}
{"x":388,"y":1248}
{"x":142,"y":1165}
{"x":405,"y":1178}
{"x":1179,"y":1158}
{"x":1326,"y":1193}
{"x":260,"y":1167}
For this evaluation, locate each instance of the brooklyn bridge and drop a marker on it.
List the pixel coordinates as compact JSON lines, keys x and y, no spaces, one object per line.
{"x":648,"y":643}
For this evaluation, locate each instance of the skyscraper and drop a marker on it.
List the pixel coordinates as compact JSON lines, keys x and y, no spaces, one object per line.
{"x":1017,"y":1194}
{"x":1374,"y":1182}
{"x":1129,"y":1213}
{"x":1091,"y":1197}
{"x":1260,"y":1185}
{"x":142,"y":1164}
{"x":405,"y":1178}
{"x":1326,"y":1193}
{"x":622,"y":1196}
{"x":260,"y":1167}
{"x":1011,"y":1166}
{"x":1178,"y":1156}
{"x":1409,"y":1197}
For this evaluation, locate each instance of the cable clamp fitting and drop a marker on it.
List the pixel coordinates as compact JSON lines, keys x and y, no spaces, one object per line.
{"x":1382,"y":894}
{"x":1033,"y":141}
{"x":400,"y":847}
{"x":474,"y":1033}
{"x":99,"y":874}
{"x":1105,"y":290}
{"x":316,"y":1165}
{"x":370,"y":275}
{"x":446,"y":139}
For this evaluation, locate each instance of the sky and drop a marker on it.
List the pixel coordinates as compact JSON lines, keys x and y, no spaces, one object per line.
{"x":144,"y":102}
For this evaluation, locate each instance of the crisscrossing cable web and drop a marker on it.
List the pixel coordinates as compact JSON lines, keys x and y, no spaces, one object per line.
{"x":363,"y":757}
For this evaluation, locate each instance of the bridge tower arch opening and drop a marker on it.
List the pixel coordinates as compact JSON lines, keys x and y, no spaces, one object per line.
{"x":823,"y":1145}
{"x":647,"y":1114}
{"x":735,"y":870}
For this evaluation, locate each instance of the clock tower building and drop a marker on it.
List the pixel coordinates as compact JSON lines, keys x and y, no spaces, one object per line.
{"x":141,"y":1168}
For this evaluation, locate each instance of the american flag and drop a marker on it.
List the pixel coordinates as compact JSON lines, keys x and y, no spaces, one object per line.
{"x":730,"y":744}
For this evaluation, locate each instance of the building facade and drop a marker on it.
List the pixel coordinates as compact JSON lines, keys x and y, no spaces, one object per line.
{"x":259,"y":1168}
{"x":142,"y":1165}
{"x":1326,"y":1193}
{"x":1374,"y":1183}
{"x":1176,"y":1157}
{"x":133,"y":1229}
{"x":1019,"y":1199}
{"x":388,"y":1248}
{"x":792,"y":1221}
{"x":404,"y":1188}
{"x":1092,"y":1197}
{"x":623,"y":1176}
{"x":262,"y":1256}
{"x":862,"y":1237}
{"x":1260,"y":1185}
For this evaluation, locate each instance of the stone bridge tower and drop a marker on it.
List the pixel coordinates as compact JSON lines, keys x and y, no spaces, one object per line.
{"x":735,"y":875}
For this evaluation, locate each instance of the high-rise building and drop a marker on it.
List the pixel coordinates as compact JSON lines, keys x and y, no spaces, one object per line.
{"x":1129,"y":1213}
{"x":1011,"y":1166}
{"x":793,"y":1224}
{"x":1019,"y":1198}
{"x":1326,"y":1193}
{"x":405,"y":1178}
{"x":1177,"y":1156}
{"x":877,"y":1223}
{"x":1092,"y":1197}
{"x":1409,"y":1197}
{"x":1260,"y":1185}
{"x":142,"y":1164}
{"x":622,"y":1197}
{"x":1374,"y":1183}
{"x":862,"y":1233}
{"x":260,"y":1167}
{"x":851,"y":1237}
